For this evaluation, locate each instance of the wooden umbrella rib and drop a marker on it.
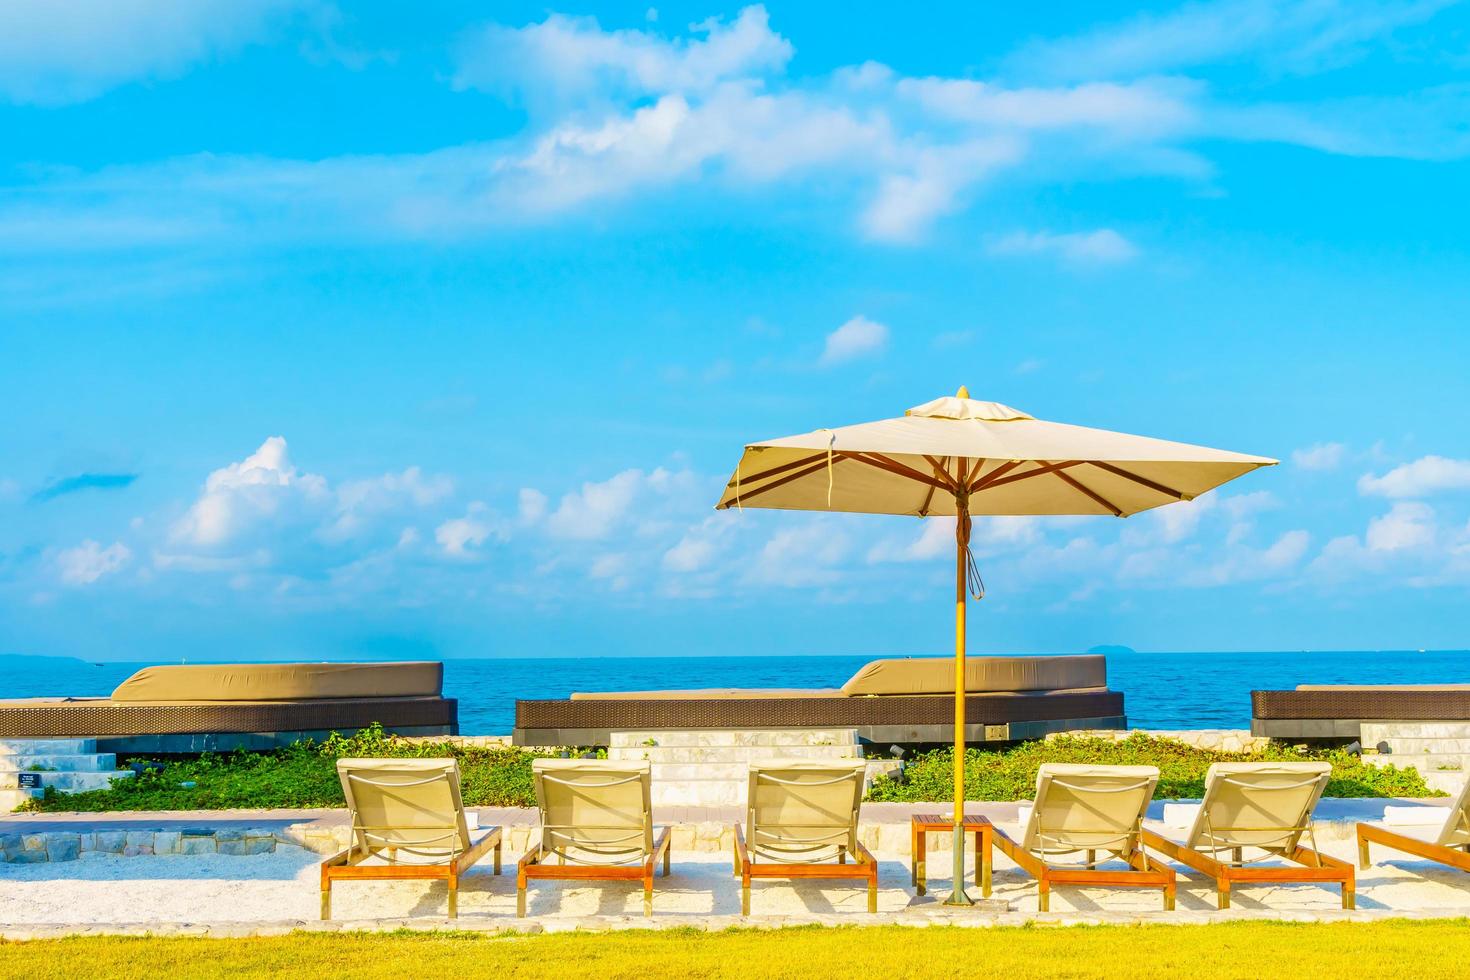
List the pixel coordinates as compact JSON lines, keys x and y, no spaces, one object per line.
{"x":773,"y":471}
{"x":1099,"y":498}
{"x":941,"y":473}
{"x":939,"y":470}
{"x":993,"y":475}
{"x":1156,"y":487}
{"x":744,"y":497}
{"x":892,"y":466}
{"x":1041,"y":471}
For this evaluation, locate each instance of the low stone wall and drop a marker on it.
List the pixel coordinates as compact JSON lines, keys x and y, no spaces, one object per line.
{"x":1214,"y":739}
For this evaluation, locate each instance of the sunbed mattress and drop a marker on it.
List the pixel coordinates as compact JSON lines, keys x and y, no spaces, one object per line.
{"x":281,"y":682}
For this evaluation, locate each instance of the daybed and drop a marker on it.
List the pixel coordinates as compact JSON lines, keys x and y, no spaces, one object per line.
{"x":1337,"y":712}
{"x":199,"y":707}
{"x":906,"y":701}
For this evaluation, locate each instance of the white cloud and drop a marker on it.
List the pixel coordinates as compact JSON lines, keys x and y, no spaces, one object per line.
{"x":697,"y":550}
{"x":1297,"y":37}
{"x":531,"y":505}
{"x":361,"y":502}
{"x":52,"y":53}
{"x":1101,"y":247}
{"x":1319,"y":457}
{"x":89,"y":561}
{"x":1240,"y":563}
{"x":1421,"y":478}
{"x":1408,"y":524}
{"x":236,"y":496}
{"x":634,"y":497}
{"x":572,"y":57}
{"x":461,"y":537}
{"x":858,"y":337}
{"x":800,"y":557}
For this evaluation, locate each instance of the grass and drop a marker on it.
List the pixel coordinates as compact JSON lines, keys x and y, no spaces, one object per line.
{"x":1424,"y":949}
{"x":301,"y":775}
{"x":1010,"y":773}
{"x":304,"y":775}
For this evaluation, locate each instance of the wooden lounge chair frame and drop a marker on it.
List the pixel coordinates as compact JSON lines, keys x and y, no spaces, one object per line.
{"x":797,"y":865}
{"x":625,"y":863}
{"x":1312,"y":866}
{"x":345,"y":865}
{"x":1452,"y":855}
{"x":1127,"y":846}
{"x":1145,"y":873}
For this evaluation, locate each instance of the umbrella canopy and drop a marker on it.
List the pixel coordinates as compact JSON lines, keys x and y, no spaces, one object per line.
{"x":1007,"y":462}
{"x":960,"y":457}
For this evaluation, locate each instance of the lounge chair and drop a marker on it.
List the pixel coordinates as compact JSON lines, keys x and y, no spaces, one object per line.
{"x":799,"y":816}
{"x":1443,"y":836}
{"x":1085,"y":810}
{"x":597,"y":822}
{"x":408,"y":822}
{"x":1264,"y":807}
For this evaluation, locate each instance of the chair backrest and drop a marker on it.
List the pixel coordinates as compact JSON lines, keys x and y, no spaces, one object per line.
{"x":1258,"y":804}
{"x":1456,"y":831}
{"x":797,"y":809}
{"x":1080,"y":807}
{"x":595,"y":811}
{"x":411,"y":806}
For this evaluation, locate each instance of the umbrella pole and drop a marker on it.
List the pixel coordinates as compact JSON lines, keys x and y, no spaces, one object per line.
{"x":962,"y":540}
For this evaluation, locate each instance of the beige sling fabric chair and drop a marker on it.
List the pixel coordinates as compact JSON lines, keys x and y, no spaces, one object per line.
{"x":597,"y":822}
{"x":408,"y":822}
{"x":1261,"y":809}
{"x":1087,"y":810}
{"x":1445,"y":839}
{"x":800,"y":815}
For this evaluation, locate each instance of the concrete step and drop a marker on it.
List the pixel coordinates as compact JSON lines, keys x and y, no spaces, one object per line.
{"x":1422,"y":746}
{"x":46,"y":746}
{"x":719,"y":754}
{"x":1446,"y":781}
{"x":66,"y":782}
{"x":726,"y":737}
{"x":1374,"y":732}
{"x":96,"y":762}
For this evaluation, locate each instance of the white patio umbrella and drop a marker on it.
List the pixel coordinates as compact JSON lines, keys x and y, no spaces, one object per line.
{"x":960,"y":457}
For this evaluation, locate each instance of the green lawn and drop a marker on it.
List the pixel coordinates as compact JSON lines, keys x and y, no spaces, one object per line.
{"x":304,"y":775}
{"x":1205,"y":952}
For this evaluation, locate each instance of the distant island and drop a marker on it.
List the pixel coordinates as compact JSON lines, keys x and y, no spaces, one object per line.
{"x":1111,"y":648}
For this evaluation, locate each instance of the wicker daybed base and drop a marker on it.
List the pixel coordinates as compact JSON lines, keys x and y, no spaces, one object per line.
{"x":894,"y":718}
{"x":1338,"y":713}
{"x":92,"y":717}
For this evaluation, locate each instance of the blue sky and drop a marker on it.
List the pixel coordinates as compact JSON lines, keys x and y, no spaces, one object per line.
{"x":373,"y":329}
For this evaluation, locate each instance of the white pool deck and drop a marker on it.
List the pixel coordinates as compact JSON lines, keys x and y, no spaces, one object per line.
{"x":216,"y":894}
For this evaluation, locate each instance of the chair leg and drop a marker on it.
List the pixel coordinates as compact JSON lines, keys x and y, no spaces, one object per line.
{"x":454,"y":896}
{"x":1222,"y":893}
{"x":1043,"y":896}
{"x":745,"y":896}
{"x":648,"y":895}
{"x":326,"y":900}
{"x":497,"y":858}
{"x":841,"y":855}
{"x":873,"y":892}
{"x":520,"y":896}
{"x":1169,"y":897}
{"x":1363,"y":861}
{"x":666,"y":862}
{"x":1349,"y":896}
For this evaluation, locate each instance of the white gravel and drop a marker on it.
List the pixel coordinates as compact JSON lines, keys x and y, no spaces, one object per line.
{"x":108,"y":889}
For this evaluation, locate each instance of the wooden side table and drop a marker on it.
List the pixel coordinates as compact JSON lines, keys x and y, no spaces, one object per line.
{"x":924,"y":824}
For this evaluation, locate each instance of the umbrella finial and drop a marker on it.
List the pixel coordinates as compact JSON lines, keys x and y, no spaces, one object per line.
{"x":963,"y":392}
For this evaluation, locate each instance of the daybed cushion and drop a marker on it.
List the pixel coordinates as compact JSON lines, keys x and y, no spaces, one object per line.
{"x":935,"y":675}
{"x":281,"y":682}
{"x":707,"y":694}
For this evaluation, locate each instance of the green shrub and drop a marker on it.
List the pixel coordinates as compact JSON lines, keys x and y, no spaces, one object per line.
{"x":1010,"y":773}
{"x":299,"y":776}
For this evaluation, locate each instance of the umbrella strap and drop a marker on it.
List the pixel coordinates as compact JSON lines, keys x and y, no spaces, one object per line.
{"x":973,"y":581}
{"x":831,"y":444}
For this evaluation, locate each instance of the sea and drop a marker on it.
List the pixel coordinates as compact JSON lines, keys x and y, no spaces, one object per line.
{"x":1161,"y":690}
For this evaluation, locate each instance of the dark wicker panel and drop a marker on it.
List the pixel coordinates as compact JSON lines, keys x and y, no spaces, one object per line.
{"x":980,"y":709}
{"x":1422,"y":705}
{"x":83,"y":718}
